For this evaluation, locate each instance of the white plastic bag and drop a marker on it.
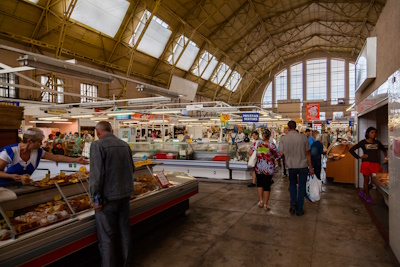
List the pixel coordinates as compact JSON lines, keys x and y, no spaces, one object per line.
{"x":323,"y":161}
{"x":253,"y":158}
{"x":323,"y":176}
{"x":313,"y":188}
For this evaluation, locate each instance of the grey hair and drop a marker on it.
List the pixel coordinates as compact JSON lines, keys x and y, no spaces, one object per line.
{"x":34,"y":134}
{"x":104,"y":126}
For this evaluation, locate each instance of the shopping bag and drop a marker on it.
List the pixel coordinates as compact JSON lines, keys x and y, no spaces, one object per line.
{"x":313,"y":188}
{"x":323,"y":176}
{"x":253,"y":158}
{"x":323,"y":161}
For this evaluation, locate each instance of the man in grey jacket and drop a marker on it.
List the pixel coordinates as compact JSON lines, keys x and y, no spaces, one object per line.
{"x":111,"y":185}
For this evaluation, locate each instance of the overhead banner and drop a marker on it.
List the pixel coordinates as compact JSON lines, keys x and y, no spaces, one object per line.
{"x":224,"y":120}
{"x":250,"y":117}
{"x":313,"y":111}
{"x":147,"y":117}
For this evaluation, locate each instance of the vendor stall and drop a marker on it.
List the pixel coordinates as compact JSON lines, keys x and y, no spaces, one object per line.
{"x":50,"y":221}
{"x":340,"y":165}
{"x":205,"y":160}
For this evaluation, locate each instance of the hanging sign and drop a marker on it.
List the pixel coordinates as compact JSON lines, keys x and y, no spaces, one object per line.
{"x":313,"y":111}
{"x":329,"y":121}
{"x":9,"y":103}
{"x":250,"y":117}
{"x":224,"y":120}
{"x":123,"y":117}
{"x":162,"y":179}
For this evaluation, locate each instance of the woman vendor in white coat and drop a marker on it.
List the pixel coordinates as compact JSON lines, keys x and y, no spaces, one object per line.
{"x":23,"y":158}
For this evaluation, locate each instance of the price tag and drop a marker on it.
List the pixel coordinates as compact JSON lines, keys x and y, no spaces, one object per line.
{"x":9,"y":213}
{"x":82,"y":169}
{"x":162,"y":178}
{"x":57,"y":197}
{"x":62,"y":174}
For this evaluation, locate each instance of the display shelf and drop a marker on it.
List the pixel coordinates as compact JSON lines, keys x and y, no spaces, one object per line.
{"x":381,"y":182}
{"x":341,"y":164}
{"x":47,"y":244}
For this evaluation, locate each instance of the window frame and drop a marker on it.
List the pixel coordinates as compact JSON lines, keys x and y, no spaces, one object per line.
{"x":325,"y":93}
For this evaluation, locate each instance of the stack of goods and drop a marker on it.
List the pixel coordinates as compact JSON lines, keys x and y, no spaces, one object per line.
{"x":142,"y":163}
{"x":71,"y":178}
{"x":382,"y":178}
{"x":43,"y":215}
{"x":145,"y":183}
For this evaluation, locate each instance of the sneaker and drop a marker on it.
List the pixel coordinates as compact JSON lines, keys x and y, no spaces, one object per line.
{"x":362,"y":195}
{"x":251,"y":185}
{"x":284,"y":175}
{"x":369,"y":200}
{"x":300,"y":213}
{"x":292,"y":209}
{"x":260,"y":204}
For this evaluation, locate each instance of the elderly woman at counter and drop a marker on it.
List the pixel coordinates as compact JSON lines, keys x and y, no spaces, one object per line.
{"x":20,"y":160}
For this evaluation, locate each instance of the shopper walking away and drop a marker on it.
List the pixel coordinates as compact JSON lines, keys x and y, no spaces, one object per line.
{"x":317,"y":149}
{"x":256,"y":138}
{"x":266,"y":155}
{"x":110,"y":189}
{"x":370,"y":160}
{"x":309,"y":137}
{"x":325,"y":139}
{"x":296,"y":149}
{"x":285,"y":132}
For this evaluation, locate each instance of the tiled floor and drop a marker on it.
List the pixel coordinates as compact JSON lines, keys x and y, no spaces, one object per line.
{"x":226,"y":228}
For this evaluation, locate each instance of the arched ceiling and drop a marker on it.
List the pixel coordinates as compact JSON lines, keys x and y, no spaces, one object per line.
{"x":251,"y":37}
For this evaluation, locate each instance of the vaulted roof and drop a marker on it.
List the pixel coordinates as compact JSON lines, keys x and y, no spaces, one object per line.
{"x":250,"y":36}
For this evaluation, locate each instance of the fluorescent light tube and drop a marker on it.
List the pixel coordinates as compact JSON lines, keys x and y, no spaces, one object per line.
{"x":40,"y":121}
{"x":98,"y":118}
{"x":188,"y":120}
{"x":63,"y":122}
{"x":61,"y":66}
{"x":82,"y":116}
{"x":48,"y":118}
{"x":166,"y":112}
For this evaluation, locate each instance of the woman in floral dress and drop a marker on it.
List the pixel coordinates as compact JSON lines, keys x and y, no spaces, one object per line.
{"x":267,"y":153}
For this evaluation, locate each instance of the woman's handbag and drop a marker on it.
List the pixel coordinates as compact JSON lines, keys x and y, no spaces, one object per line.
{"x":253,"y":158}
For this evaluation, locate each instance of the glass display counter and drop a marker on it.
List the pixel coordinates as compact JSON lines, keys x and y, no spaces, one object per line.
{"x":162,"y":150}
{"x":341,"y":164}
{"x":53,"y":221}
{"x":213,"y":151}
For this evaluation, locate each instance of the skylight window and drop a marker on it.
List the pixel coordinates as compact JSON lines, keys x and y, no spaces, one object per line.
{"x":233,"y":82}
{"x":154,"y":39}
{"x":33,"y":1}
{"x":189,"y":55}
{"x":206,"y":66}
{"x":102,"y":15}
{"x":222,"y":74}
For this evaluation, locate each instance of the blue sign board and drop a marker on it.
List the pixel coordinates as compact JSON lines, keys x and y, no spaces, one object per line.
{"x":250,"y":117}
{"x":123,"y":117}
{"x":9,"y":103}
{"x":351,"y":122}
{"x":328,"y":121}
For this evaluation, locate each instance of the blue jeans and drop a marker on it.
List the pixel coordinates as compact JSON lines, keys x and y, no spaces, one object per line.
{"x":294,"y":198}
{"x":114,"y":213}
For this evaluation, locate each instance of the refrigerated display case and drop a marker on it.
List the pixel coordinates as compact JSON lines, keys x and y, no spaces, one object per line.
{"x":210,"y":160}
{"x":206,"y":160}
{"x":38,"y":244}
{"x":340,"y":164}
{"x":238,"y":165}
{"x":162,"y":150}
